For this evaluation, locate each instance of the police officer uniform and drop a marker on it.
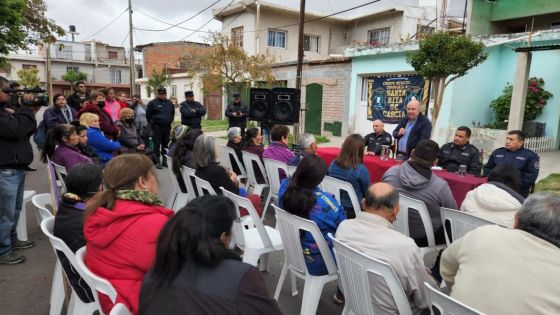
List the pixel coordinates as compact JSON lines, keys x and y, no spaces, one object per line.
{"x":452,"y":155}
{"x":525,"y":160}
{"x":192,"y":112}
{"x":373,"y":142}
{"x":242,"y":112}
{"x":160,"y":113}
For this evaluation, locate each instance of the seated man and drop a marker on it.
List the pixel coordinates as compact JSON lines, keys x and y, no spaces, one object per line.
{"x":372,"y":234}
{"x":460,"y":152}
{"x":415,"y":179}
{"x":515,"y":154}
{"x":378,"y":138}
{"x":307,"y":145}
{"x":509,"y":271}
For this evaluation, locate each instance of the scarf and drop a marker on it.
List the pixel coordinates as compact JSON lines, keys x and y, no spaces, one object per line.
{"x":144,"y":197}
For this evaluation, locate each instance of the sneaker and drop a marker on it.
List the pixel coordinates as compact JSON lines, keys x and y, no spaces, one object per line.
{"x":22,"y":244}
{"x":11,"y":259}
{"x":338,"y":297}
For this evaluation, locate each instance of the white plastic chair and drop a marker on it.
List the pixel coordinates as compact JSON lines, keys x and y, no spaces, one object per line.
{"x":177,"y":199}
{"x":204,"y":187}
{"x":273,"y":168}
{"x":228,"y":154}
{"x":445,"y":304}
{"x":354,"y":268}
{"x":294,"y":261}
{"x":61,"y":175}
{"x":21,"y":228}
{"x":94,"y":281}
{"x":42,"y":202}
{"x":120,"y":309}
{"x":188,"y":178}
{"x":334,"y":186}
{"x":76,"y":305}
{"x":291,"y":170}
{"x":250,"y":161}
{"x":259,"y":240}
{"x":461,"y":223}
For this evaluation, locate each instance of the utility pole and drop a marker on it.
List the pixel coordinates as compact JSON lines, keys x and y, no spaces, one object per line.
{"x":131,"y":51}
{"x":299,"y":62}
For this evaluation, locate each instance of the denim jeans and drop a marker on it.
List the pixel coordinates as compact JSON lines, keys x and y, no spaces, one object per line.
{"x":11,"y":199}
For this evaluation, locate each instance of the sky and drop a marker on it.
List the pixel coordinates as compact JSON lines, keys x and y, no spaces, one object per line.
{"x":91,"y":16}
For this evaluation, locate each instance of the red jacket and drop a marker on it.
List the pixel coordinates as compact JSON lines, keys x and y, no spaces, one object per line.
{"x":120,"y":247}
{"x":105,"y":122}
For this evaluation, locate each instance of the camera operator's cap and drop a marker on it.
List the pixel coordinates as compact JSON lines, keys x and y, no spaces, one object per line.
{"x":189,"y":93}
{"x":236,"y":94}
{"x":161,"y":90}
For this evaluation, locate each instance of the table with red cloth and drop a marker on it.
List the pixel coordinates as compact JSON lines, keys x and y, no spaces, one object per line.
{"x":459,"y":185}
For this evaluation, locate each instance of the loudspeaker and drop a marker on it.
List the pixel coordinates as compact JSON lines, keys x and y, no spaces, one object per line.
{"x":259,"y":104}
{"x":285,"y":105}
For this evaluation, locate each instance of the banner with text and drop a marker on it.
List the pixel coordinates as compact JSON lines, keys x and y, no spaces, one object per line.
{"x":389,"y":94}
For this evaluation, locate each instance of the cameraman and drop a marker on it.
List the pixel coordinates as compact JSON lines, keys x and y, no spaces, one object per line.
{"x":17,"y":124}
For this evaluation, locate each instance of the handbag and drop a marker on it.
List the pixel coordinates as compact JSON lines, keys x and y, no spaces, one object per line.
{"x":40,"y":135}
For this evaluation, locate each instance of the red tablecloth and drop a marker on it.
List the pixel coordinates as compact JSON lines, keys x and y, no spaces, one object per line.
{"x":460,"y":185}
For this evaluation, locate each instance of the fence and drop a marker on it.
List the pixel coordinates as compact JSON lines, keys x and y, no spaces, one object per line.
{"x":540,"y":144}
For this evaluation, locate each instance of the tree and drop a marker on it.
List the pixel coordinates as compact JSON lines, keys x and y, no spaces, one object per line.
{"x":74,"y":76}
{"x":23,"y":23}
{"x":443,"y":57}
{"x":28,"y":77}
{"x":156,"y":80}
{"x":228,"y":65}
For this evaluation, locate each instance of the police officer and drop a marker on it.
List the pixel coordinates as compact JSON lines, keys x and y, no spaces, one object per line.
{"x":160,"y":113}
{"x":192,"y":111}
{"x":515,"y":154}
{"x":460,"y":152}
{"x":236,"y":113}
{"x":377,"y":138}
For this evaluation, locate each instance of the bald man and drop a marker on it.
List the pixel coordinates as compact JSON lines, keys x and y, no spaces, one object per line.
{"x":372,"y":234}
{"x":378,"y":138}
{"x":411,"y":129}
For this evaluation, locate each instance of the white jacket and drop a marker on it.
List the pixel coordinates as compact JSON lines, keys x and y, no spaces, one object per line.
{"x":492,"y":203}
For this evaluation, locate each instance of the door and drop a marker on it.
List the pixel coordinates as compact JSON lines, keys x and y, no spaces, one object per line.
{"x":314,"y":108}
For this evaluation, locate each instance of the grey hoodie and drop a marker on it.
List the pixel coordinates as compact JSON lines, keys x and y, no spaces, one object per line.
{"x":435,"y":193}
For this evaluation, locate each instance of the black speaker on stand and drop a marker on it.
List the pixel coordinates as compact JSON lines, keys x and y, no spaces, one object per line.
{"x":285,"y":105}
{"x":259,"y":104}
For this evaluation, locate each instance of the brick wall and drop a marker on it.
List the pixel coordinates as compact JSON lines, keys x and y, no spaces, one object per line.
{"x":167,"y":55}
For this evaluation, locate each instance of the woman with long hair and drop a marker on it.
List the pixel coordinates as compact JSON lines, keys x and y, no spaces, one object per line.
{"x":96,"y":105}
{"x":252,"y":143}
{"x":182,"y":155}
{"x":83,"y":145}
{"x":61,"y":147}
{"x":122,"y":225}
{"x":301,"y":196}
{"x":59,"y":113}
{"x":195,"y":272}
{"x":349,"y":167}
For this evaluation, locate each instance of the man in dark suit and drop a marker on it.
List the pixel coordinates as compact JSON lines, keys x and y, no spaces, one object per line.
{"x":411,"y":129}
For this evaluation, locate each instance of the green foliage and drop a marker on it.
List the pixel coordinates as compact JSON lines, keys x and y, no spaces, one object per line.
{"x":74,"y":76}
{"x":28,"y":77}
{"x":549,"y":183}
{"x":156,"y":80}
{"x":23,"y":23}
{"x":537,"y":98}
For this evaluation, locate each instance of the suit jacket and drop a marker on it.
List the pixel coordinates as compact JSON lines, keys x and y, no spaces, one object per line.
{"x":421,"y":130}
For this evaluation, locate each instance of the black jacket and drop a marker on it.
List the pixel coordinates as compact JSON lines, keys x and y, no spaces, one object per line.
{"x":160,"y":112}
{"x":240,"y":122}
{"x":237,"y":148}
{"x":375,"y":142}
{"x":191,"y":114}
{"x":15,"y":130}
{"x":422,"y":130}
{"x":75,"y":101}
{"x":525,"y":160}
{"x":451,"y":156}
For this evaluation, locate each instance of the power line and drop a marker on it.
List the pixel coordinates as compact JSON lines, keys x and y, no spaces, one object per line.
{"x":222,"y":10}
{"x":104,"y":27}
{"x":161,"y":21}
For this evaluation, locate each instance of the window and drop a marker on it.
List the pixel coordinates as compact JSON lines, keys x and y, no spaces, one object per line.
{"x":237,"y":36}
{"x":379,"y":36}
{"x":277,"y":39}
{"x":115,"y":76}
{"x":27,"y":67}
{"x":365,"y":89}
{"x":311,"y":43}
{"x":112,"y":55}
{"x":173,"y":91}
{"x":72,"y":69}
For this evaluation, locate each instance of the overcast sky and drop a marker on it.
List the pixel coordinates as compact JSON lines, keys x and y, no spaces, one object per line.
{"x":90,"y":16}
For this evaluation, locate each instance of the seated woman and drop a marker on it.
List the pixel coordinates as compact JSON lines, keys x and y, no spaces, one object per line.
{"x":349,"y":167}
{"x":61,"y":147}
{"x":204,"y":161}
{"x":96,"y":105}
{"x":82,"y":182}
{"x":130,"y":140}
{"x":177,"y":134}
{"x":301,"y":196}
{"x":60,"y":113}
{"x":234,"y":142}
{"x":122,"y":225}
{"x":83,"y":146}
{"x":182,"y":155}
{"x":195,"y":271}
{"x":103,"y":147}
{"x":499,"y":199}
{"x":253,"y":144}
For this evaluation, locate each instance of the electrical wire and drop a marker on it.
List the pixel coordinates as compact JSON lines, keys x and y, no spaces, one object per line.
{"x":161,"y":21}
{"x":222,"y":10}
{"x":104,"y":27}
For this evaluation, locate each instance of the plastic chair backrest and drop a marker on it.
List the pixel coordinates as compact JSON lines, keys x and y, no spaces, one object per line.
{"x":55,"y":192}
{"x":188,"y":177}
{"x":445,"y":304}
{"x":273,"y":168}
{"x":353,"y":268}
{"x":461,"y":223}
{"x":256,"y":220}
{"x":250,"y":161}
{"x":174,"y":181}
{"x":204,"y":187}
{"x":229,"y":154}
{"x":334,"y":186}
{"x":61,"y":174}
{"x":43,"y":202}
{"x":401,"y":223}
{"x":289,"y":226}
{"x":291,"y":170}
{"x":120,"y":309}
{"x":97,"y":283}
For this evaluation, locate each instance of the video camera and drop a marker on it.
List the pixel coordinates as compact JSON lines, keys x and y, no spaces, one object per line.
{"x":39,"y":96}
